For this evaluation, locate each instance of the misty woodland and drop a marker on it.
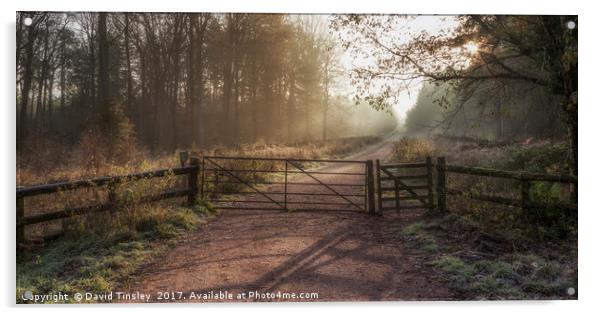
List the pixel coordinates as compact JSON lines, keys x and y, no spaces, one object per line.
{"x":316,"y":157}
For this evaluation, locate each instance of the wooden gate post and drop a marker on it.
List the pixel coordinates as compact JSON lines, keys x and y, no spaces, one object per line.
{"x":370,"y":185}
{"x":429,"y":182}
{"x":285,"y":183}
{"x":397,"y":201}
{"x":441,"y":195}
{"x":192,"y":181}
{"x":378,"y":188}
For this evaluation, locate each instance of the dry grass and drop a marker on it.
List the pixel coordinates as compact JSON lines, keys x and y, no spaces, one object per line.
{"x":335,"y":148}
{"x":412,"y":150}
{"x":85,"y":162}
{"x":55,"y":164}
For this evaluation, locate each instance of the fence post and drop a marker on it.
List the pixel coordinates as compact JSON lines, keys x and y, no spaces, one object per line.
{"x":183,"y":158}
{"x":441,"y":195}
{"x":192,"y":181}
{"x":112,"y":196}
{"x":370,"y":184}
{"x":525,"y":188}
{"x":20,"y":219}
{"x":378,"y":188}
{"x":202,"y":177}
{"x":285,"y":182}
{"x":429,"y":175}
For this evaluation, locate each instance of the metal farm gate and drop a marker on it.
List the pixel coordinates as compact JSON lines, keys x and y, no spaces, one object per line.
{"x":248,"y":183}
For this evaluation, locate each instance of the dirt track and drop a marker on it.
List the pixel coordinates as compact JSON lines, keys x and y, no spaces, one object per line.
{"x":340,"y":255}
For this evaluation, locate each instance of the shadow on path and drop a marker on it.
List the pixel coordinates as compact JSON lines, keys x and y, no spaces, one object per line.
{"x":341,"y":256}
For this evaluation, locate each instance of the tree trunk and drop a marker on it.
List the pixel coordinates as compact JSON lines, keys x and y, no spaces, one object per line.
{"x":49,"y":102}
{"x":92,"y":75}
{"x":174,"y":106}
{"x":229,"y":75}
{"x":191,"y":77}
{"x":199,"y":82}
{"x":255,"y":111}
{"x":325,"y":106}
{"x":103,"y":65}
{"x":27,"y":80}
{"x":226,"y":99}
{"x":130,"y":91}
{"x":42,"y":85}
{"x":324,"y":120}
{"x":235,"y":105}
{"x":63,"y":77}
{"x":290,"y":115}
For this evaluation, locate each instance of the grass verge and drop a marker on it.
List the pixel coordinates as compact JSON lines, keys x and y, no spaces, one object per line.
{"x":511,"y":277}
{"x":452,"y":246}
{"x":104,"y":261}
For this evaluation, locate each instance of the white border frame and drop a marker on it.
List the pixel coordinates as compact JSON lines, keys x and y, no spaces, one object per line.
{"x":590,"y":113}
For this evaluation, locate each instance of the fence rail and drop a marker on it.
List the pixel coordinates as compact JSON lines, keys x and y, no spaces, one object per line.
{"x":517,"y":175}
{"x":190,"y":192}
{"x":525,"y":178}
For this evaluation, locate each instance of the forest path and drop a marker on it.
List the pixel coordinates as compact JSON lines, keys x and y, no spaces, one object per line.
{"x":340,"y":255}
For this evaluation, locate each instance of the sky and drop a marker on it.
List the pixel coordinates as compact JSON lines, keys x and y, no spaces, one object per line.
{"x":402,"y":32}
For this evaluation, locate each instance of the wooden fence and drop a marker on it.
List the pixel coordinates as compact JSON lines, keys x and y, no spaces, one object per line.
{"x":195,"y":170}
{"x":526,"y":179}
{"x":192,"y":170}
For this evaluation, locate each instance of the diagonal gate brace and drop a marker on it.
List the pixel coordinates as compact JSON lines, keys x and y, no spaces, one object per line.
{"x":246,"y":183}
{"x":298,"y":166}
{"x":405,"y":187}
